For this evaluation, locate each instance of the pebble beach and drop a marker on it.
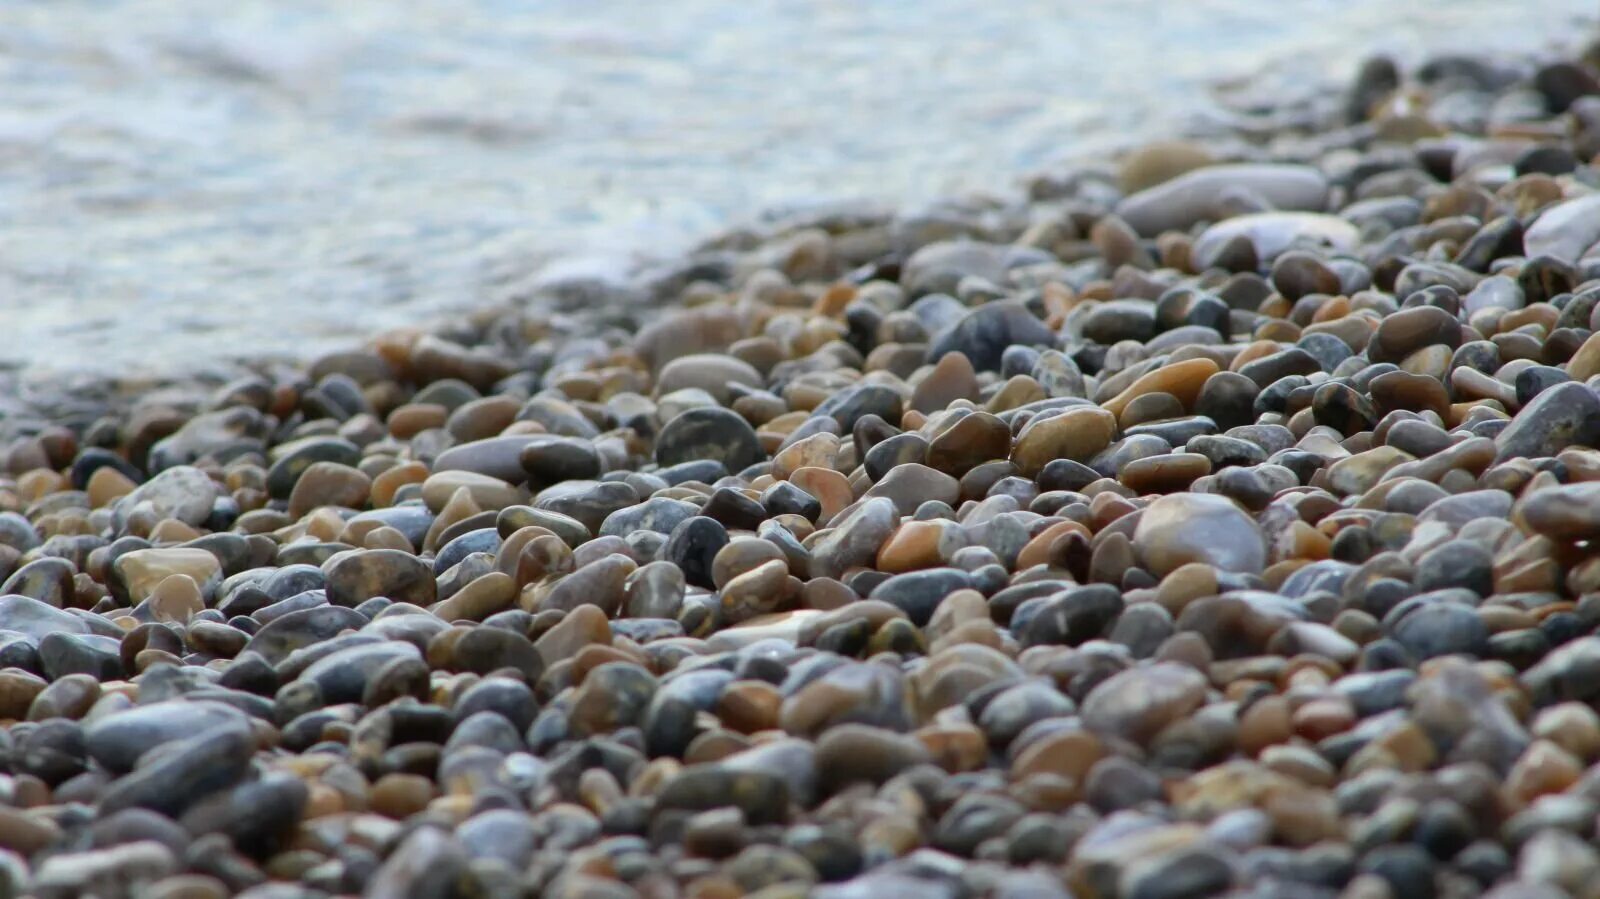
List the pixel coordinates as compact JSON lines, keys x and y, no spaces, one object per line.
{"x":1218,"y":518}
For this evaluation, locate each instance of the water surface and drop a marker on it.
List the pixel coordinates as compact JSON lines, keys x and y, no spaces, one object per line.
{"x":186,"y":181}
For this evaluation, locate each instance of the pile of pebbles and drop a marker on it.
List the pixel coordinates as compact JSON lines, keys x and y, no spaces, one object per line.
{"x":1223,"y":521}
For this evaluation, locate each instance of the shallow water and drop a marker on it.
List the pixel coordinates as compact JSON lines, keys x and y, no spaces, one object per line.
{"x":179,"y":187}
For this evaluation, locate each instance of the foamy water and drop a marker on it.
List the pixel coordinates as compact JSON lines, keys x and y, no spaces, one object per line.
{"x":183,"y":181}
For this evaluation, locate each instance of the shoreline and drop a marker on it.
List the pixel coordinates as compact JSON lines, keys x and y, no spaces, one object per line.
{"x":1218,"y":519}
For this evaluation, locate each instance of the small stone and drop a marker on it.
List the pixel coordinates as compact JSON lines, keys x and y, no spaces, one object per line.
{"x":553,"y":459}
{"x":714,"y":373}
{"x":119,"y":740}
{"x":983,"y":334}
{"x":911,"y":484}
{"x":708,"y":433}
{"x":952,"y":378}
{"x":1136,"y":704}
{"x":142,"y":570}
{"x":1272,"y":233}
{"x":193,"y":769}
{"x":392,"y":574}
{"x":496,"y":457}
{"x":1441,"y":629}
{"x":1565,"y":231}
{"x":329,"y":484}
{"x":1160,"y":162}
{"x":855,"y":540}
{"x":182,"y":492}
{"x":1176,"y":204}
{"x":1563,"y":415}
{"x":1075,"y":433}
{"x":1189,"y":527}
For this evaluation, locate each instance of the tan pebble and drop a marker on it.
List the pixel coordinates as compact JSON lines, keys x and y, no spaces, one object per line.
{"x":1157,"y":163}
{"x":1544,"y":768}
{"x":176,"y":599}
{"x":1539,"y":575}
{"x":594,"y":655}
{"x":1046,"y":793}
{"x":922,"y":547}
{"x":508,"y":558}
{"x":1265,"y":723}
{"x":977,"y":437}
{"x":825,"y":594}
{"x":1277,"y":330}
{"x":460,"y":507}
{"x":399,"y":796}
{"x":580,"y":627}
{"x":714,"y":746}
{"x":955,"y":747}
{"x":742,"y":554}
{"x":1301,"y":763}
{"x":1323,"y":718}
{"x":1037,"y":550}
{"x":1020,"y":390}
{"x":1068,"y":754}
{"x":829,"y":487}
{"x":145,"y":658}
{"x":759,"y":591}
{"x":749,"y":706}
{"x":411,"y":419}
{"x":18,"y":689}
{"x":385,"y":485}
{"x":960,"y":607}
{"x":186,"y":886}
{"x":106,"y":486}
{"x":41,"y":482}
{"x":355,"y":532}
{"x":324,"y":524}
{"x":952,"y":378}
{"x":141,"y":571}
{"x":483,"y":418}
{"x":1182,"y":380}
{"x":1186,"y":583}
{"x":979,"y":632}
{"x":832,"y":302}
{"x":1076,"y":433}
{"x":818,"y":450}
{"x":1406,"y":747}
{"x":1362,"y":471}
{"x":329,"y":484}
{"x":1572,"y":726}
{"x":1303,"y":816}
{"x":322,"y":802}
{"x":488,"y":594}
{"x":1164,"y":473}
{"x":488,"y":493}
{"x":387,"y":538}
{"x":170,"y":530}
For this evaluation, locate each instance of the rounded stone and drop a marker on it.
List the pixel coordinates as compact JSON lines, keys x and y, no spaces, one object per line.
{"x":1191,"y":527}
{"x":709,"y":433}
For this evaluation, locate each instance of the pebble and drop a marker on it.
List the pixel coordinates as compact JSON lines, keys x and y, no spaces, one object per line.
{"x":1136,"y":704}
{"x":983,"y":334}
{"x":1565,"y":231}
{"x":1191,"y":197}
{"x":1192,"y":527}
{"x":1272,"y":233}
{"x":708,"y":433}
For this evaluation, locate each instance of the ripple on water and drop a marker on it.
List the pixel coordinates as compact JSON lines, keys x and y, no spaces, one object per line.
{"x":301,"y":173}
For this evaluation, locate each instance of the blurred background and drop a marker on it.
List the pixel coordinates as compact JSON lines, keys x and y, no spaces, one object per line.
{"x":184,"y":182}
